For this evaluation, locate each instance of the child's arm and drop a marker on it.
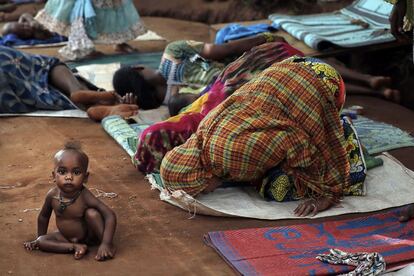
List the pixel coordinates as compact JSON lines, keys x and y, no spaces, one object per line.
{"x":44,"y":215}
{"x":106,"y":249}
{"x":42,"y":222}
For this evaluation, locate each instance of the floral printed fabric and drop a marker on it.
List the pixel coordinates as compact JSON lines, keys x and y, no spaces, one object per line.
{"x":86,"y":22}
{"x":24,"y":82}
{"x":367,"y":264}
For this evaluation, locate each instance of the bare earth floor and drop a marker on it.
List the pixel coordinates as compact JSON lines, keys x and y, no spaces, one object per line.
{"x":153,"y":237}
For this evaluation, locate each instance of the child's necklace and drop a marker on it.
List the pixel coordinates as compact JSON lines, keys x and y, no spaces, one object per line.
{"x":63,"y":204}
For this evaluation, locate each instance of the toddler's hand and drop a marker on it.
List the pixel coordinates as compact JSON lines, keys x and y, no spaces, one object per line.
{"x":105,"y":252}
{"x":31,"y":245}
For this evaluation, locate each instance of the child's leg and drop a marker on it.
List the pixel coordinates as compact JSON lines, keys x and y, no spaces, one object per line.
{"x":95,"y":224}
{"x":55,"y":242}
{"x":386,"y":93}
{"x":235,"y":47}
{"x":350,"y":75}
{"x":63,"y":79}
{"x":89,"y":97}
{"x":97,"y":113}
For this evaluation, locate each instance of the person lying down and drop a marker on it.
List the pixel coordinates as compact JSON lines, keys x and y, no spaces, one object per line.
{"x":35,"y":82}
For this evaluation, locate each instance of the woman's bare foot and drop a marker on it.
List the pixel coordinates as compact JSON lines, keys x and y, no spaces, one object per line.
{"x":94,"y":54}
{"x":125,"y":48}
{"x":31,"y":245}
{"x":407,"y":214}
{"x":378,"y":82}
{"x":393,"y":95}
{"x":80,"y":250}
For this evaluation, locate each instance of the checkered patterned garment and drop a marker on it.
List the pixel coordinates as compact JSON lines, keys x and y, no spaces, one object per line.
{"x":288,"y":115}
{"x":162,"y":137}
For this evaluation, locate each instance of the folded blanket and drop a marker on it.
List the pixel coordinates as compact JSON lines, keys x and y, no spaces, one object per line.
{"x":235,"y":31}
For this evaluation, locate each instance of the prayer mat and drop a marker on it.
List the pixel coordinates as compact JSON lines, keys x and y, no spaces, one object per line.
{"x":123,"y":133}
{"x":151,"y":60}
{"x":379,"y":137}
{"x":387,"y":186}
{"x":127,"y":134}
{"x":292,"y":250}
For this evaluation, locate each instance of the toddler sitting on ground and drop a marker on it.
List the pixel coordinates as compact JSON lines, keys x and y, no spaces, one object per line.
{"x":81,"y":218}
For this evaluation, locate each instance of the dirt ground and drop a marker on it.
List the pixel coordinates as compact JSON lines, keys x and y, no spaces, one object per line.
{"x":152,"y":237}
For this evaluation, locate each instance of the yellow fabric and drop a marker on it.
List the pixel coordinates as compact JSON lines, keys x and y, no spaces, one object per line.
{"x":196,"y":106}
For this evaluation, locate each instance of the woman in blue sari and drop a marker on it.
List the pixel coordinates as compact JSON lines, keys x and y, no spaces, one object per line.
{"x":86,"y":22}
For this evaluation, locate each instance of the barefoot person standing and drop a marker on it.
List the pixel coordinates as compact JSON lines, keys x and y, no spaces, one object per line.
{"x":87,"y":22}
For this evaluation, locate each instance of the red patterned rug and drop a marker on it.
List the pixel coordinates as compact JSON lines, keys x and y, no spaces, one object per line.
{"x":292,"y":250}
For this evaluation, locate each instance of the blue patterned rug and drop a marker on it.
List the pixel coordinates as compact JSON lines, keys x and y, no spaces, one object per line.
{"x":379,"y":137}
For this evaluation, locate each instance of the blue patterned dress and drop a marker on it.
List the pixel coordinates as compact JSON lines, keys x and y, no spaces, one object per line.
{"x":86,"y":22}
{"x":24,"y":85}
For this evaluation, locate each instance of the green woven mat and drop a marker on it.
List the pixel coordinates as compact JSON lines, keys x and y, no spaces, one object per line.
{"x":151,"y":60}
{"x":379,"y":137}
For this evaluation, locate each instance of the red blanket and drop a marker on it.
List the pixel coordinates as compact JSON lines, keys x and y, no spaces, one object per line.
{"x":291,"y":250}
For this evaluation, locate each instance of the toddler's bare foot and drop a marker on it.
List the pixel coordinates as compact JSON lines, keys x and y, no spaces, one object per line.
{"x":392,"y":95}
{"x":80,"y":250}
{"x":125,"y":48}
{"x":407,"y":214}
{"x":31,"y":245}
{"x":378,"y":82}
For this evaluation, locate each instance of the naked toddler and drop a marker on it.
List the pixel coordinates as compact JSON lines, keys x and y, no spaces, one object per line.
{"x":81,"y":218}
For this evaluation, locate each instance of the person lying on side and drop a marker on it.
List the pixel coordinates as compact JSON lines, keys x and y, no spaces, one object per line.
{"x":184,"y":63}
{"x":35,"y":82}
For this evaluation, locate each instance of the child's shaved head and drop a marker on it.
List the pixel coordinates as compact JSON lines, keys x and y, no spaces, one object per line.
{"x":74,"y":147}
